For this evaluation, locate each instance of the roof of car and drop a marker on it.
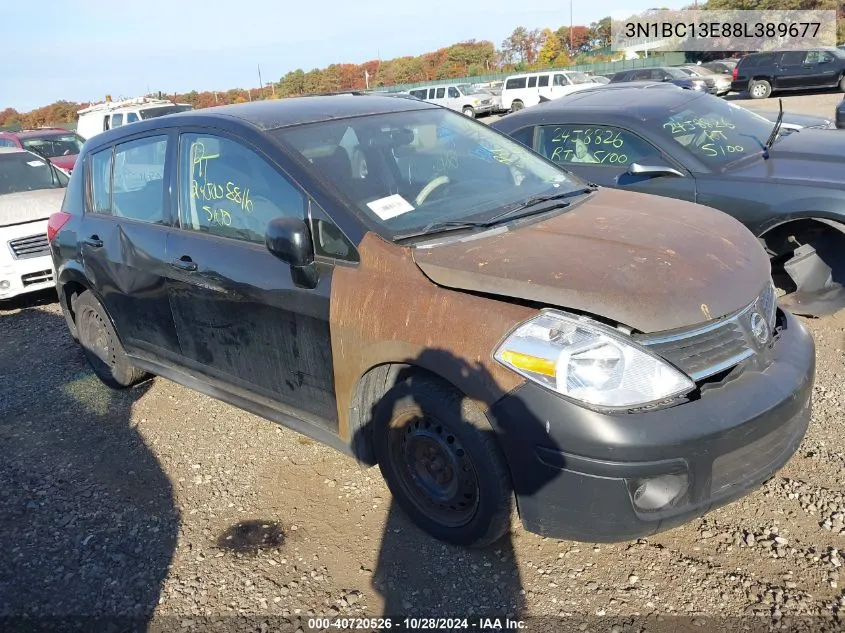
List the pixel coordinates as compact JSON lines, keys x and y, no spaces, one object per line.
{"x":14,"y":150}
{"x":637,"y":97}
{"x":273,"y":114}
{"x":47,"y":131}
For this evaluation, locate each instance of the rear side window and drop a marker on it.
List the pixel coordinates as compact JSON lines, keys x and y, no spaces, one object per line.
{"x":755,"y":61}
{"x":228,"y":190}
{"x":542,"y":81}
{"x":532,"y":82}
{"x":792,"y":58}
{"x":515,"y":83}
{"x":116,"y":120}
{"x":131,"y":117}
{"x":4,"y":142}
{"x":101,"y":165}
{"x":441,"y":92}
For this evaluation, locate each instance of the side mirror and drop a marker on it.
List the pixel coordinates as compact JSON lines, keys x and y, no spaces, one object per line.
{"x":637,"y":169}
{"x":290,"y":240}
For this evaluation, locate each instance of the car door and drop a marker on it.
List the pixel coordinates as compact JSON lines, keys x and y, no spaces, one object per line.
{"x":603,"y":154}
{"x":239,"y":316}
{"x":820,"y":69}
{"x":791,"y":71}
{"x":123,"y":238}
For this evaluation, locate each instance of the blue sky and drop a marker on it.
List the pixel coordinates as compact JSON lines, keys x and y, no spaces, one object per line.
{"x":86,"y":49}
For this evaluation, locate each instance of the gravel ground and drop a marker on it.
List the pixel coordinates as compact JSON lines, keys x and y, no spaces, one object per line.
{"x":162,"y":503}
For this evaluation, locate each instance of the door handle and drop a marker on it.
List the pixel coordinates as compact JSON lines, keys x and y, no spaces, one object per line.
{"x":184,"y":263}
{"x":93,"y":242}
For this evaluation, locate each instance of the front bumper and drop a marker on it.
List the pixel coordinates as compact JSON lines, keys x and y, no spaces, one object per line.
{"x":574,"y":470}
{"x":26,"y":275}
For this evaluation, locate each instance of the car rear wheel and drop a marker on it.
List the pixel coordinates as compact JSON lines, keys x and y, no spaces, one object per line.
{"x":517,"y":105}
{"x":469,"y":112}
{"x":760,"y":89}
{"x":442,"y":462}
{"x":842,"y":83}
{"x":101,"y":346}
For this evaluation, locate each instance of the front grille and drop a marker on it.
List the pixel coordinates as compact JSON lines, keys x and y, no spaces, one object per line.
{"x":32,"y":246}
{"x":41,"y":276}
{"x":737,"y":466}
{"x":707,"y":350}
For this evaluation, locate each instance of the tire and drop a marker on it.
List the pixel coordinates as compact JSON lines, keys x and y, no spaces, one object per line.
{"x":468,"y":111}
{"x":101,"y":346}
{"x":424,"y":431}
{"x":759,"y":89}
{"x":842,"y":83}
{"x":517,"y":105}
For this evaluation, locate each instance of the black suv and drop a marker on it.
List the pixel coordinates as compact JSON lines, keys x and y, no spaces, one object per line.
{"x":661,"y":73}
{"x":761,"y":74}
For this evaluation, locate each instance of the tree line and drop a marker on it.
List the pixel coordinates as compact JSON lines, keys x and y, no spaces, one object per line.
{"x":523,"y":49}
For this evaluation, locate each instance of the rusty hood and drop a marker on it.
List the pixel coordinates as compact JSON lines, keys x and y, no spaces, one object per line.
{"x":648,"y":262}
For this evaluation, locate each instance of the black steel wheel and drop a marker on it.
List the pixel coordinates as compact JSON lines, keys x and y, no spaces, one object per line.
{"x":101,"y":346}
{"x":442,"y":462}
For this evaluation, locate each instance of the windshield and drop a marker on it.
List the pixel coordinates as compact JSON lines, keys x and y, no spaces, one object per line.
{"x":715,"y":131}
{"x":151,"y":113}
{"x":578,"y":78}
{"x":466,"y":89}
{"x":53,"y":145}
{"x":22,"y":171}
{"x":674,"y":73}
{"x":407,"y":170}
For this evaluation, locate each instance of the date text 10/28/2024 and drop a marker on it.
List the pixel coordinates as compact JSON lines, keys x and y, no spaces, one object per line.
{"x":415,"y":624}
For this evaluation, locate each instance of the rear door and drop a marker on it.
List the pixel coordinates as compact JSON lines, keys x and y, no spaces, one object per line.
{"x":239,"y":316}
{"x":792,"y":72}
{"x":603,"y":154}
{"x":123,"y":238}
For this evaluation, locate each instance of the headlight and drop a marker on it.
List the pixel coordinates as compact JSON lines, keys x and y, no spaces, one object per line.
{"x":587,"y":361}
{"x":475,"y":102}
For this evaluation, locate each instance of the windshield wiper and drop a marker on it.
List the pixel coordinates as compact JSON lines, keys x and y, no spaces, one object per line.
{"x":513,"y":211}
{"x":775,"y":131}
{"x":442,"y":227}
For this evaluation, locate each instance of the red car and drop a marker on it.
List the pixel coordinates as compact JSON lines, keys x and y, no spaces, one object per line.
{"x":59,"y":146}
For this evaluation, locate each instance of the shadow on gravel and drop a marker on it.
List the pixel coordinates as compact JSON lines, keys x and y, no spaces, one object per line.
{"x":415,"y":574}
{"x":88,"y":518}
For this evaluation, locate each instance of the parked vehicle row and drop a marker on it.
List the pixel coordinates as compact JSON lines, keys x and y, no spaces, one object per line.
{"x":455,"y":304}
{"x":761,"y":74}
{"x":57,"y":145}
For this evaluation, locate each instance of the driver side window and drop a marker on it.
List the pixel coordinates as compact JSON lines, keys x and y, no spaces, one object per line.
{"x":597,"y":144}
{"x":228,"y":190}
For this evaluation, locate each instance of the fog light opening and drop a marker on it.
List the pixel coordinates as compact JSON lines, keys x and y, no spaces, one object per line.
{"x":657,"y":493}
{"x":5,"y":285}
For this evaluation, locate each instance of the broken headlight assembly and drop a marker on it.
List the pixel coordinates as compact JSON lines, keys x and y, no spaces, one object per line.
{"x":590,"y":362}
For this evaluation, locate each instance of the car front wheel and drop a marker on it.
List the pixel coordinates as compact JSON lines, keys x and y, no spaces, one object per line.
{"x":469,"y":112}
{"x":442,"y":462}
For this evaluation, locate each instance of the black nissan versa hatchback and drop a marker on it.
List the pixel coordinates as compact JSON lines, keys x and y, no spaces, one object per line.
{"x":416,"y":289}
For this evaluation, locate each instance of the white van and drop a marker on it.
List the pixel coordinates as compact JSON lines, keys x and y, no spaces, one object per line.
{"x":461,"y":97}
{"x":525,"y":89}
{"x":104,"y":116}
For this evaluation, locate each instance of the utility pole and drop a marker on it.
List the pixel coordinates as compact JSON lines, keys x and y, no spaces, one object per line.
{"x":571,"y":32}
{"x":260,"y":83}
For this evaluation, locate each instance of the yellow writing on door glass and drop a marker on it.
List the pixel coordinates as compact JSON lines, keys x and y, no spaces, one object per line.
{"x":218,"y":216}
{"x":206,"y":190}
{"x":589,"y":136}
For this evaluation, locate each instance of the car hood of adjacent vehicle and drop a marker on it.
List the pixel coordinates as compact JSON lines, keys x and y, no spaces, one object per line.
{"x":30,"y":206}
{"x":648,"y":262}
{"x":65,"y":162}
{"x":807,"y":156}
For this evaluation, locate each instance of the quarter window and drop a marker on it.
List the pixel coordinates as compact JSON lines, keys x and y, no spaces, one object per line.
{"x":543,"y":81}
{"x":515,"y":83}
{"x":597,"y":144}
{"x":101,"y":163}
{"x":532,"y":82}
{"x":230,"y":191}
{"x":131,"y":117}
{"x":116,"y":120}
{"x":138,"y":180}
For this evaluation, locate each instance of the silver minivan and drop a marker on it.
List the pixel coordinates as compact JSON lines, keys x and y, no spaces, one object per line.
{"x":461,"y":97}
